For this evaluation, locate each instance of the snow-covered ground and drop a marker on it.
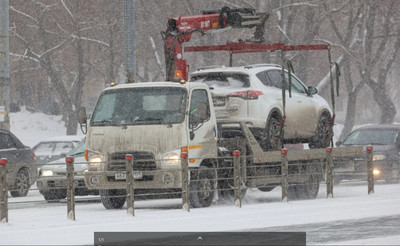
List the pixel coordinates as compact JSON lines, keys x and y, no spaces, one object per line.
{"x":31,"y":128}
{"x":40,"y":223}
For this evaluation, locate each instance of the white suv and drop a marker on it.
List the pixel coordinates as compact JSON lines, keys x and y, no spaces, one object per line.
{"x":253,"y":94}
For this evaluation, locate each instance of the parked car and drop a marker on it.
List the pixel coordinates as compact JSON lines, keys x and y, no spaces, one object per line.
{"x":253,"y":94}
{"x":21,"y":164}
{"x":54,"y":148}
{"x":385,"y":140}
{"x":52,"y":181}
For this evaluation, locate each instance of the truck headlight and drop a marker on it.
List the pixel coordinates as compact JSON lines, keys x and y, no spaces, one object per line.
{"x":172,"y":157}
{"x":46,"y":173}
{"x":379,"y":157}
{"x":94,"y":158}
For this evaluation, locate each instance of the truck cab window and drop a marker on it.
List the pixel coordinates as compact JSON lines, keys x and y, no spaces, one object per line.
{"x":198,"y":96}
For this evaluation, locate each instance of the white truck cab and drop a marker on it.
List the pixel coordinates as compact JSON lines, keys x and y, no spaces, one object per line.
{"x":153,"y":122}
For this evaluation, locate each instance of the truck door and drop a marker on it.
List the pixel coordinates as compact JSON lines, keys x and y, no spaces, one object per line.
{"x":202,"y":142}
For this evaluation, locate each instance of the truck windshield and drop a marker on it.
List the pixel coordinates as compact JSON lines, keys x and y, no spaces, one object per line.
{"x":140,"y":106}
{"x":372,"y":136}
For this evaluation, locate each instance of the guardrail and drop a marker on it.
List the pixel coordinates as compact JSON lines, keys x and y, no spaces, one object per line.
{"x":284,"y":167}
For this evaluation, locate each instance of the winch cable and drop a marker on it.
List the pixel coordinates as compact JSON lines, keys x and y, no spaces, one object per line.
{"x":290,"y":71}
{"x":338,"y":74}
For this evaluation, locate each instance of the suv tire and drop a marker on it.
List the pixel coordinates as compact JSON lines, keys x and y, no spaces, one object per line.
{"x":273,"y":133}
{"x":323,"y":133}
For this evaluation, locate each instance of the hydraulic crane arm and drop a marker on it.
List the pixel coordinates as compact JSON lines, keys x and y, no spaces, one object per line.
{"x":180,"y":30}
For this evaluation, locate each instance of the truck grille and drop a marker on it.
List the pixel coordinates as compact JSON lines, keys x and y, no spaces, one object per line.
{"x":143,"y":161}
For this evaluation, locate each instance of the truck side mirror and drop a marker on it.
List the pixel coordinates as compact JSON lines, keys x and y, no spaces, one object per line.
{"x":82,"y":118}
{"x":202,"y":113}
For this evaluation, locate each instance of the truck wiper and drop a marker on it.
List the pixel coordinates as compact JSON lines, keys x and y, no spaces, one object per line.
{"x":157,"y":120}
{"x":104,"y":123}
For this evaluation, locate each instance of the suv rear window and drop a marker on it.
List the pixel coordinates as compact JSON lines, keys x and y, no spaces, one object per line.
{"x":231,"y":80}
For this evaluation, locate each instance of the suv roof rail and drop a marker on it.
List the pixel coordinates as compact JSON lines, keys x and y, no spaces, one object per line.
{"x":261,"y":65}
{"x":210,"y":67}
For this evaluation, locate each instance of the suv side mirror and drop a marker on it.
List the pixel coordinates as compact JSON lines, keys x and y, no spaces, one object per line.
{"x":338,"y":143}
{"x":312,"y":90}
{"x":82,"y":118}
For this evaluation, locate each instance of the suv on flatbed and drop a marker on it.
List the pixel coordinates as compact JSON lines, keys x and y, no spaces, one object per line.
{"x":21,"y":164}
{"x":253,"y":94}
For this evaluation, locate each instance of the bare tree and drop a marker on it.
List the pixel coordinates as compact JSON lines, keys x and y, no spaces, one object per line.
{"x":365,"y":53}
{"x":60,"y":40}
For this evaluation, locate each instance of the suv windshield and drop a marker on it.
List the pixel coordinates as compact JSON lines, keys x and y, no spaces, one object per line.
{"x":139,"y":106}
{"x":372,"y":136}
{"x":228,"y":80}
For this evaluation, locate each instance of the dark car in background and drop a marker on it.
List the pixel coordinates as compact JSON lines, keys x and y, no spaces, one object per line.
{"x":385,"y":140}
{"x":21,"y":164}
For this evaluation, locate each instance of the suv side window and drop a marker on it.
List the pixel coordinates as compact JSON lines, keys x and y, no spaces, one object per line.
{"x":296,"y":85}
{"x":263,"y":77}
{"x":198,"y":96}
{"x":275,"y":77}
{"x":6,"y":141}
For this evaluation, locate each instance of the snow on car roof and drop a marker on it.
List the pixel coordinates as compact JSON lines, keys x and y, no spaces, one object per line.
{"x":380,"y":126}
{"x":246,"y":69}
{"x":64,"y":138}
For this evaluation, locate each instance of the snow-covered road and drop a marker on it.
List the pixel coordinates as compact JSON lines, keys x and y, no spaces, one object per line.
{"x":351,"y":215}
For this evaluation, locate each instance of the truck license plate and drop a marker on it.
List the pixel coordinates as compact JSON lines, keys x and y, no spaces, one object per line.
{"x":136,"y":175}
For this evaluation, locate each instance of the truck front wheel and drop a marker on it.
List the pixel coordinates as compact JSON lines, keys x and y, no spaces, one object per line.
{"x":113,"y":199}
{"x":202,"y":188}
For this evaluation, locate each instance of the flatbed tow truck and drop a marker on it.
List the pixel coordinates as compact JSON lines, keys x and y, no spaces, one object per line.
{"x":160,"y":139}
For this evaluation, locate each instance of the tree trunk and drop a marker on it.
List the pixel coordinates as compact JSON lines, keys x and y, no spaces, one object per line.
{"x":383,"y":100}
{"x":350,"y":115}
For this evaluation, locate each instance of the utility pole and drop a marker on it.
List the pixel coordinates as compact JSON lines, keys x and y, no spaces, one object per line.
{"x":129,"y":41}
{"x":4,"y":66}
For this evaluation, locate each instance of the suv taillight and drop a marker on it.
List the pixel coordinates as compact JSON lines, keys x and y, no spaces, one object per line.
{"x":246,"y":95}
{"x":34,"y":156}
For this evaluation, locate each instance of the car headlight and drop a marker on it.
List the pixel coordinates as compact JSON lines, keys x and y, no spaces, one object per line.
{"x":379,"y":157}
{"x":46,"y":173}
{"x":376,"y":172}
{"x":94,"y":158}
{"x":172,"y":157}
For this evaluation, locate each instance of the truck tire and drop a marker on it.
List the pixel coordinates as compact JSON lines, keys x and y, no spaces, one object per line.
{"x":266,"y":189}
{"x":202,"y":188}
{"x":21,"y":185}
{"x":311,"y":187}
{"x":323,"y":133}
{"x":295,"y":192}
{"x":113,"y":199}
{"x":308,"y":190}
{"x":54,"y":195}
{"x":226,"y":191}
